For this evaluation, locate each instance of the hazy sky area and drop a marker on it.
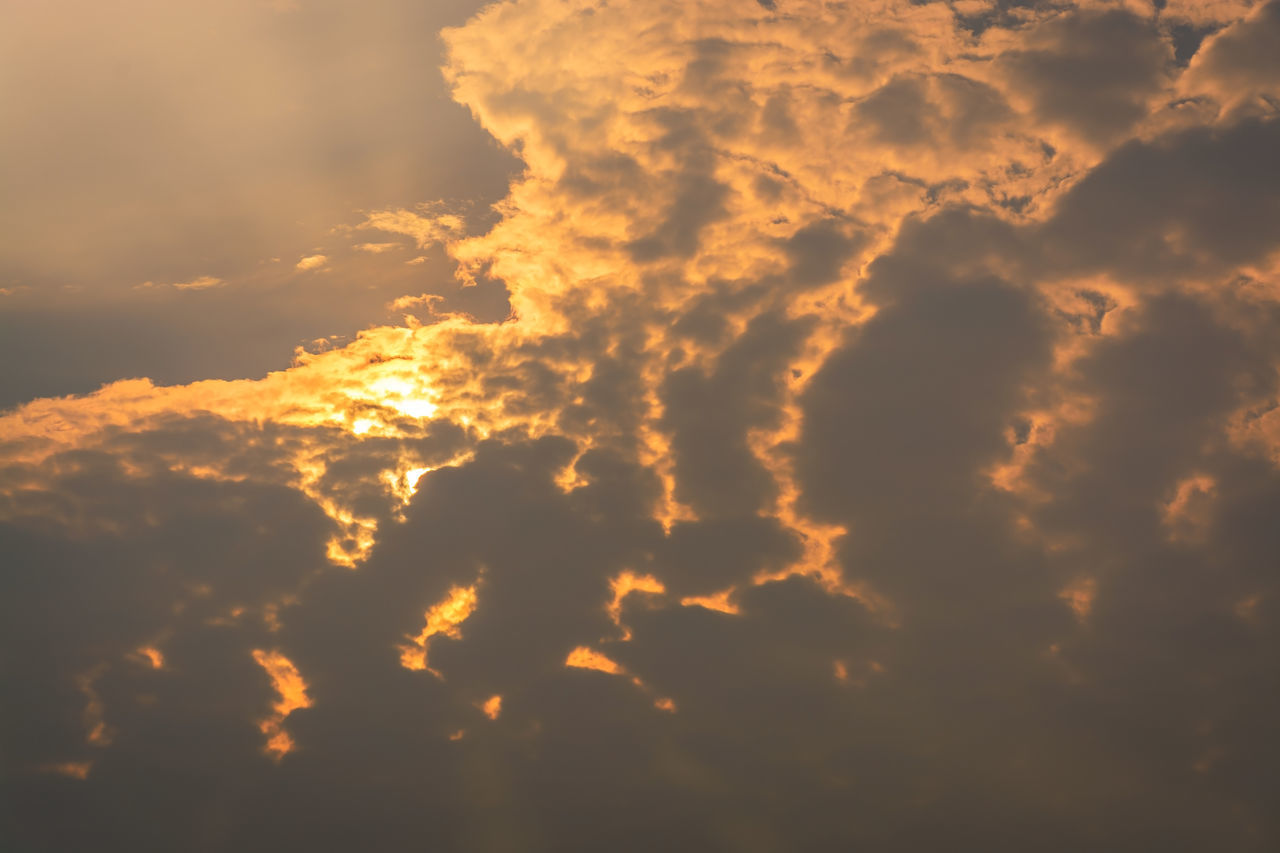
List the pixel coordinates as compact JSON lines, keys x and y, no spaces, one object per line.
{"x":150,"y":144}
{"x":580,"y":425}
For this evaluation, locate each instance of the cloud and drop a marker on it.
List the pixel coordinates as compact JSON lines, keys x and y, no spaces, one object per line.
{"x":1236,"y":65}
{"x":312,"y":262}
{"x":202,"y":283}
{"x":878,"y":452}
{"x":1093,"y":72}
{"x":426,"y":227}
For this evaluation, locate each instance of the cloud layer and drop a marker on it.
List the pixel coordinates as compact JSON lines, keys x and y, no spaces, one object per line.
{"x":880,"y":451}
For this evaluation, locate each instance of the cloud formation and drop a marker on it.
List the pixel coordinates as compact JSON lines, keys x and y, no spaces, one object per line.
{"x":878,"y":449}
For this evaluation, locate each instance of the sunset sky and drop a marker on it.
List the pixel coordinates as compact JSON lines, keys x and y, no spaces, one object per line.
{"x":639,"y":425}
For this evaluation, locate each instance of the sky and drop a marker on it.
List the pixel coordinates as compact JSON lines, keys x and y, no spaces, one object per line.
{"x":554,"y":425}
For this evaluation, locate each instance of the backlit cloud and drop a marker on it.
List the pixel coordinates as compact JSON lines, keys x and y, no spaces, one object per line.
{"x":874,"y":445}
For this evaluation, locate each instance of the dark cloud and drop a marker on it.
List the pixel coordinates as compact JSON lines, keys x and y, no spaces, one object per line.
{"x":710,"y":416}
{"x":1092,"y":71}
{"x":1194,"y":203}
{"x":915,"y":405}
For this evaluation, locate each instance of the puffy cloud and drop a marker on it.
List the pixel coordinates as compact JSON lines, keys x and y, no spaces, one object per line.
{"x":312,"y":262}
{"x":875,"y":447}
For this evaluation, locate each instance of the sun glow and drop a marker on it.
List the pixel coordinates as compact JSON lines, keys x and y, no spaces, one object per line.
{"x":374,"y":388}
{"x":405,"y":485}
{"x":403,"y":396}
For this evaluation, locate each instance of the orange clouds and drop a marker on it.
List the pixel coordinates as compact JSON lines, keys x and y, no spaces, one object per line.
{"x":625,"y":584}
{"x":444,"y":618}
{"x":292,"y":691}
{"x":876,"y":345}
{"x":312,"y":262}
{"x":585,"y":658}
{"x":1079,"y":595}
{"x":723,"y":147}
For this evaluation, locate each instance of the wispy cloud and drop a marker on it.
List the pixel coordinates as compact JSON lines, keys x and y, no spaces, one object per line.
{"x":203,"y":282}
